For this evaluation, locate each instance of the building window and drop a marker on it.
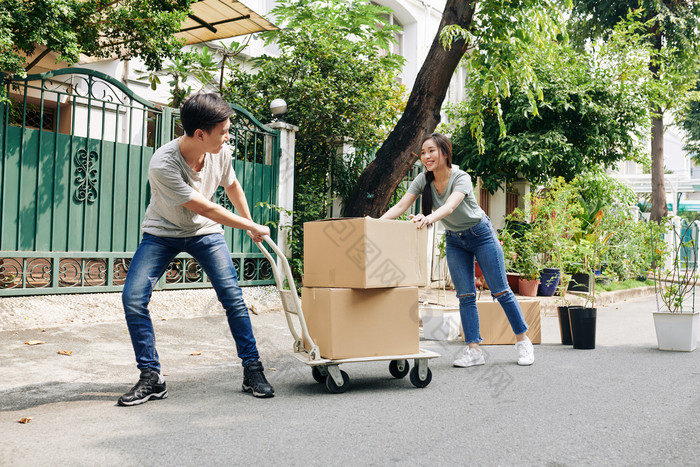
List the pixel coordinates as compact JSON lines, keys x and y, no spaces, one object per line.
{"x":32,"y":117}
{"x":484,"y":200}
{"x":396,"y":48}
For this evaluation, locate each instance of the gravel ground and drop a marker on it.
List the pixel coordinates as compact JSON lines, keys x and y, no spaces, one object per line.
{"x":59,"y":310}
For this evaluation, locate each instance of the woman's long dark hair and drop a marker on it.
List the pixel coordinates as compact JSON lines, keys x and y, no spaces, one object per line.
{"x":445,"y":146}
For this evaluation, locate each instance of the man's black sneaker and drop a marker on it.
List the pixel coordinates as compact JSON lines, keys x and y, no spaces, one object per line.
{"x":254,"y":380}
{"x":150,"y":386}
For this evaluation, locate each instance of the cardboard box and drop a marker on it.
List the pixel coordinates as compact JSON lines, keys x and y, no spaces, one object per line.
{"x":440,"y":323}
{"x":495,"y":327}
{"x":350,"y":323}
{"x":364,"y":253}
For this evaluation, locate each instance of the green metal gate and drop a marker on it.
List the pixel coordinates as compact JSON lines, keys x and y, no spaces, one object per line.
{"x":75,"y":145}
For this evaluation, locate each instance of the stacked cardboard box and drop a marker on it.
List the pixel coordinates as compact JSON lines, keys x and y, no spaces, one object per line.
{"x":495,"y":328}
{"x":361,"y":278}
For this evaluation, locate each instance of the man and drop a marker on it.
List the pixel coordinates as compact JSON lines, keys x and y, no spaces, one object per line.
{"x":184,"y":175}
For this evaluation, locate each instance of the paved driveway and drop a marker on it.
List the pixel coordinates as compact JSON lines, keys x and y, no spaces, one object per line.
{"x":623,"y":403}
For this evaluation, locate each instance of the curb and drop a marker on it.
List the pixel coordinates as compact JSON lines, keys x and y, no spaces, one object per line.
{"x":548,"y":305}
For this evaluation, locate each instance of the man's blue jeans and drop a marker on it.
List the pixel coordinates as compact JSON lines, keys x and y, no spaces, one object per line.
{"x":480,"y":242}
{"x":150,"y":262}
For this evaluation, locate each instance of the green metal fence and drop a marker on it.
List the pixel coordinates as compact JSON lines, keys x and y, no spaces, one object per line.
{"x":75,"y":146}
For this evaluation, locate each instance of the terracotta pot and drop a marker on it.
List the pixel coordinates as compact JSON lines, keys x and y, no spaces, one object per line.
{"x":513,"y":281}
{"x":479,"y":279}
{"x":528,"y":288}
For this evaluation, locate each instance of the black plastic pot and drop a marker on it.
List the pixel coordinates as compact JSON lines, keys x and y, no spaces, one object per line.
{"x":580,"y":282}
{"x":549,"y":280}
{"x":583,"y":323}
{"x":603,"y":280}
{"x":564,"y":326}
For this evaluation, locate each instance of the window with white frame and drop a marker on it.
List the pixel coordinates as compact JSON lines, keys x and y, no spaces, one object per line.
{"x":397,"y":47}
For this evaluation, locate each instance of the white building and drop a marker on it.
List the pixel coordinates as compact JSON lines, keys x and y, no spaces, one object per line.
{"x":418,"y":20}
{"x":681,"y":180}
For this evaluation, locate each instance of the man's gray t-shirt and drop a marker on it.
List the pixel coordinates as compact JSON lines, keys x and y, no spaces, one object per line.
{"x":467,"y":214}
{"x":173,"y":183}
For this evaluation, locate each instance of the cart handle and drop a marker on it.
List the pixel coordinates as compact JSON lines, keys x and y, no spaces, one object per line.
{"x":286,"y":272}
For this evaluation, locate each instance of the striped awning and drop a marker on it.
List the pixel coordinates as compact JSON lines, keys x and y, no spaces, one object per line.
{"x":220,"y":19}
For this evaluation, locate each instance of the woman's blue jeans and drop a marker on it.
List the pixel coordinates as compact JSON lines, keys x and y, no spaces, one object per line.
{"x":150,"y":262}
{"x":462,"y":248}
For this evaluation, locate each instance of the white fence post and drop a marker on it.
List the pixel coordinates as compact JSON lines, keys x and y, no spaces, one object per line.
{"x":285,"y":187}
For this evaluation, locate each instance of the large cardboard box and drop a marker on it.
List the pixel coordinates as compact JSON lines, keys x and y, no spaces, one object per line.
{"x":364,"y":253}
{"x":495,"y":327}
{"x":349,"y":323}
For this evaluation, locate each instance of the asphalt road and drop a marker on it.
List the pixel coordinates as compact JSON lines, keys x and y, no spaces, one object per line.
{"x":623,"y":403}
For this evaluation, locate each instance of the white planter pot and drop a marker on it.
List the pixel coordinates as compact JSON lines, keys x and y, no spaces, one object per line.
{"x":441,"y":323}
{"x":677,"y":331}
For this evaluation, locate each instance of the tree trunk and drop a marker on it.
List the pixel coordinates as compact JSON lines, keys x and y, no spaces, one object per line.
{"x":659,"y":208}
{"x":396,"y":156}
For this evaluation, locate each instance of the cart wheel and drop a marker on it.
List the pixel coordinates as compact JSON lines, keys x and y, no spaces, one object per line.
{"x":415,"y":379}
{"x":334,"y":388}
{"x":319,"y":374}
{"x":394,"y":368}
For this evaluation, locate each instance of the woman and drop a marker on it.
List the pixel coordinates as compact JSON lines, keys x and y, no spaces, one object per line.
{"x":448,"y":196}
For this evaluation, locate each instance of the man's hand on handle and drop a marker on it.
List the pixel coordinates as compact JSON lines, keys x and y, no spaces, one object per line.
{"x":258,"y":232}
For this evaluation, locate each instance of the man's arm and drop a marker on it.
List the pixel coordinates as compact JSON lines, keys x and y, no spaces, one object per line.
{"x":202,"y":206}
{"x":237,"y":196}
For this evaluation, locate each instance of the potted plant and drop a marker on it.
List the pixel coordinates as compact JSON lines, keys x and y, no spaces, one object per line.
{"x":675,"y":319}
{"x":555,"y":222}
{"x":564,"y":305}
{"x":563,"y":310}
{"x":527,"y":266}
{"x":583,"y":320}
{"x":510,"y":255}
{"x":577,"y":266}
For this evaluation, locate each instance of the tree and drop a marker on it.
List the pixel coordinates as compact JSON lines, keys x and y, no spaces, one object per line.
{"x":98,"y":28}
{"x":338,"y":80}
{"x":496,"y":35}
{"x":671,"y":27}
{"x":691,"y":125}
{"x":197,"y":65}
{"x":593,"y":114}
{"x":333,"y":71}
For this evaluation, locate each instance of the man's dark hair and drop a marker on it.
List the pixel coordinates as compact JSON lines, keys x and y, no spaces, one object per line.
{"x":203,"y":111}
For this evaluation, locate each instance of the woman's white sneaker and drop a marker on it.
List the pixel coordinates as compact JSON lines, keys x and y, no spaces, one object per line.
{"x":526,"y":352}
{"x":469,"y":357}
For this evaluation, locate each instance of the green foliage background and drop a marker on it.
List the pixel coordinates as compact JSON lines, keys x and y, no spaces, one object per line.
{"x":99,"y":28}
{"x":340,"y":84}
{"x":592,"y":114}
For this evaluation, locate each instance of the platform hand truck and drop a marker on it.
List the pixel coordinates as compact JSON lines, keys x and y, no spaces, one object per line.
{"x":327,"y":371}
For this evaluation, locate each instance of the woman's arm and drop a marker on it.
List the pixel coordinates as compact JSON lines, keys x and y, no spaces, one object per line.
{"x":443,"y":211}
{"x":400,"y":207}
